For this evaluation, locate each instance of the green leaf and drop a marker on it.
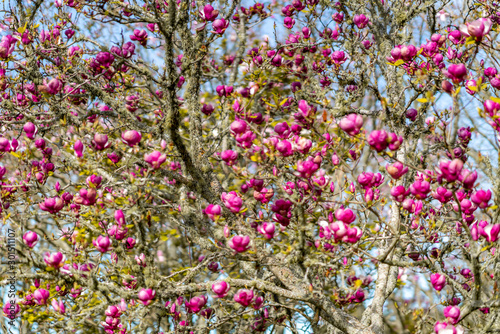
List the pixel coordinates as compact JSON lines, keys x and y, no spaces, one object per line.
{"x":397,"y":63}
{"x":23,"y":29}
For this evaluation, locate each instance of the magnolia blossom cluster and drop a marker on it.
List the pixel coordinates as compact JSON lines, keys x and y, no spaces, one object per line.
{"x":340,"y":230}
{"x":113,"y":313}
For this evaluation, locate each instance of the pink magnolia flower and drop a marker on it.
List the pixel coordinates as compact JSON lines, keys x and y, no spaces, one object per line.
{"x":118,"y":231}
{"x":305,"y":109}
{"x":396,"y":170}
{"x":339,"y":229}
{"x":361,"y":21}
{"x":491,"y":232}
{"x":53,"y":87}
{"x":41,"y":296}
{"x":369,"y":179}
{"x":229,"y":157}
{"x":378,"y":140}
{"x":477,"y":229}
{"x":30,"y":129}
{"x":7,"y":45}
{"x":306,"y":31}
{"x":338,"y":17}
{"x":196,"y":304}
{"x":324,"y":230}
{"x":224,"y":91}
{"x":288,"y":10}
{"x":442,"y":194}
{"x":338,"y":57}
{"x":264,"y":195}
{"x":119,"y":217}
{"x":335,"y":159}
{"x":30,"y":239}
{"x":282,"y":129}
{"x":140,"y":36}
{"x":440,"y":326}
{"x":395,"y":141}
{"x":351,"y":124}
{"x":208,"y":13}
{"x":438,"y":281}
{"x":257,"y":302}
{"x":240,"y":243}
{"x":58,"y":306}
{"x":345,"y":215}
{"x":420,"y":189}
{"x":131,"y":137}
{"x":495,"y":82}
{"x":358,"y":296}
{"x":114,"y":157}
{"x":447,"y":86}
{"x":104,"y":59}
{"x":452,"y":313}
{"x":456,"y":72}
{"x":289,"y":22}
{"x":301,"y":144}
{"x":221,"y":289}
{"x":100,"y":142}
{"x":467,"y":178}
{"x":52,"y":205}
{"x":219,"y":26}
{"x":207,"y":109}
{"x":155,"y":159}
{"x":481,"y":198}
{"x":402,"y":52}
{"x":113,"y":311}
{"x":442,"y":15}
{"x":54,"y":260}
{"x":130,"y":243}
{"x":78,"y":147}
{"x":450,"y":170}
{"x":14,"y":144}
{"x":307,"y":168}
{"x":245,"y":140}
{"x":281,"y":206}
{"x":94,"y":181}
{"x":466,"y":273}
{"x":267,"y":230}
{"x":213,"y":211}
{"x":455,"y":37}
{"x":490,"y":72}
{"x":146,"y":296}
{"x":239,"y":126}
{"x":285,"y":148}
{"x":478,"y":28}
{"x":11,"y":310}
{"x":102,"y":243}
{"x":353,"y":235}
{"x":232,"y":201}
{"x":491,"y":107}
{"x":398,"y":193}
{"x":244,"y":297}
{"x":471,"y":86}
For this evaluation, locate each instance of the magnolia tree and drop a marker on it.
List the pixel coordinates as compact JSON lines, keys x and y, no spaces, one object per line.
{"x":241,"y":167}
